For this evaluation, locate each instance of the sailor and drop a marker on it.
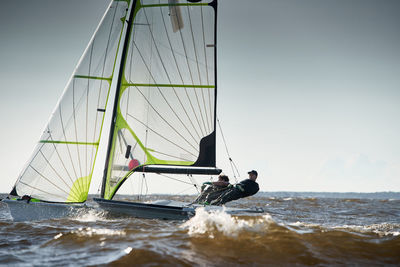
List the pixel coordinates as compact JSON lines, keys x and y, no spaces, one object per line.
{"x":212,"y":190}
{"x":245,"y":188}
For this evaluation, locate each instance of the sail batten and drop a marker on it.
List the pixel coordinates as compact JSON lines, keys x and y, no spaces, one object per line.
{"x":93,"y":77}
{"x":169,"y":85}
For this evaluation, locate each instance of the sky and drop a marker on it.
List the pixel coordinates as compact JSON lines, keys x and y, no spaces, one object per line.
{"x":308,"y":90}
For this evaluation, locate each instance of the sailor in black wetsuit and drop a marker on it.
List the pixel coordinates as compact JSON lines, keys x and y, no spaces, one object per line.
{"x":212,"y":190}
{"x":245,"y":188}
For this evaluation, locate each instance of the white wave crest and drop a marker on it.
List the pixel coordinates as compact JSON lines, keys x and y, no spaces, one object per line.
{"x":89,"y":231}
{"x":382,"y":229}
{"x":89,"y":215}
{"x":205,"y":222}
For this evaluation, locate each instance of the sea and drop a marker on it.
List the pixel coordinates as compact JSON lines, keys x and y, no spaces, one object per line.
{"x":297,"y":228}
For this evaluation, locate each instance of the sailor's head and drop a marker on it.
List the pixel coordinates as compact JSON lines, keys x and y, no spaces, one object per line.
{"x":223,"y":178}
{"x":253,"y":175}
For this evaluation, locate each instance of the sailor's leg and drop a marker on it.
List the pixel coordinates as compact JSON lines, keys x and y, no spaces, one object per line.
{"x":216,"y":194}
{"x":203,"y":195}
{"x":229,"y":195}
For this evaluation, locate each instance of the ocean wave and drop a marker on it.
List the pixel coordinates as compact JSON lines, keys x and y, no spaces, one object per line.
{"x":219,"y":221}
{"x":382,"y":229}
{"x":90,"y":215}
{"x":89,"y":232}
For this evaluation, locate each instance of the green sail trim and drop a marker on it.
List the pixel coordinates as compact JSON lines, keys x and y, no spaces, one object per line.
{"x":177,"y":4}
{"x":68,"y":142}
{"x":93,"y":78}
{"x":79,"y":190}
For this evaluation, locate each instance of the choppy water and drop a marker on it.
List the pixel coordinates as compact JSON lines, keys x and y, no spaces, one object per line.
{"x":297,"y":228}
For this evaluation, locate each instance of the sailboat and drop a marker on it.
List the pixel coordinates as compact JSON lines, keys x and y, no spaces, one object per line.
{"x":158,"y":59}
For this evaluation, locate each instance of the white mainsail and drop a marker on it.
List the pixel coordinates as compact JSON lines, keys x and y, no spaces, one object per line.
{"x":166,"y":96}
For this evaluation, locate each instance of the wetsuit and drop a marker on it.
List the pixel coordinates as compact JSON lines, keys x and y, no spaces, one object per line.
{"x":243,"y":189}
{"x":211,"y":193}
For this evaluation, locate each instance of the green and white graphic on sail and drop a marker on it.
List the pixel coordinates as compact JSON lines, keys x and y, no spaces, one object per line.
{"x":61,"y":167}
{"x":165,"y":109}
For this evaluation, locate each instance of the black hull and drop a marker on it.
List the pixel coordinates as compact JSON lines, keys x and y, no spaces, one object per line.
{"x":144,"y":210}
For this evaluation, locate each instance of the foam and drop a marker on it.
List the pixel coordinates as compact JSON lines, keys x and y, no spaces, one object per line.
{"x":382,"y":229}
{"x":89,"y":231}
{"x":89,"y":215}
{"x":207,"y":223}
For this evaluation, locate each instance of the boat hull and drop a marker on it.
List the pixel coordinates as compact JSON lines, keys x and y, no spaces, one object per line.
{"x":167,"y":210}
{"x":144,"y":210}
{"x":22,"y":210}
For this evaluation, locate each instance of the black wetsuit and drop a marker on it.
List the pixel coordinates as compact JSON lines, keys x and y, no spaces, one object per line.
{"x":211,"y":193}
{"x":249,"y":187}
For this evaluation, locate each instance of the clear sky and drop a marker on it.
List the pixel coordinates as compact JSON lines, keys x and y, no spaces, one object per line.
{"x":309,"y":90}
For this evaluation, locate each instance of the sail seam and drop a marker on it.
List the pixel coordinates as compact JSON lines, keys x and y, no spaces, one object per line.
{"x":33,"y":187}
{"x":161,"y":135}
{"x":179,"y":72}
{"x":158,"y":113}
{"x":58,"y":154}
{"x":198,"y":72}
{"x":169,"y":79}
{"x":191,"y":77}
{"x":169,"y":105}
{"x":47,"y":179}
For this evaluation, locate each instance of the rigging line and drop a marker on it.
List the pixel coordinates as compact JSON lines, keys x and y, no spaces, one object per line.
{"x":161,"y":135}
{"x":76,"y":132}
{"x":237,"y":171}
{"x":48,"y":180}
{"x":176,"y":131}
{"x":172,"y":156}
{"x":100,"y":87}
{"x":191,"y":77}
{"x":172,"y":178}
{"x":206,"y":61}
{"x":187,"y":189}
{"x":198,"y":72}
{"x":226,"y":148}
{"x":180,"y":75}
{"x":144,"y":181}
{"x":169,"y":79}
{"x":65,"y":137}
{"x":58,"y":154}
{"x":194,"y":183}
{"x":35,"y":188}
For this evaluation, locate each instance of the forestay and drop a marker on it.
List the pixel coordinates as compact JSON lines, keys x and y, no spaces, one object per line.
{"x":166,"y":96}
{"x":61,"y":167}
